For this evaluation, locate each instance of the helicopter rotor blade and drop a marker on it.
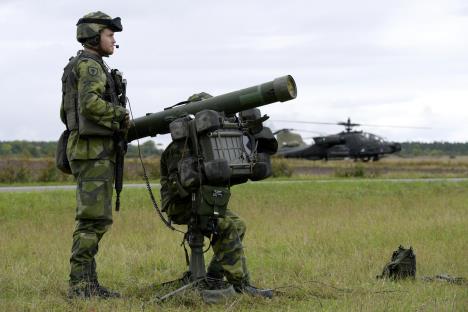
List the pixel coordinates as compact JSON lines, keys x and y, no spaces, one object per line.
{"x":352,"y":124}
{"x":297,"y":130}
{"x":348,"y":124}
{"x":307,"y":122}
{"x":308,"y":131}
{"x":396,"y":126}
{"x":282,"y":130}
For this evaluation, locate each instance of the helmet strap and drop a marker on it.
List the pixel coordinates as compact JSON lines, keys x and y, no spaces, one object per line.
{"x":94,"y":44}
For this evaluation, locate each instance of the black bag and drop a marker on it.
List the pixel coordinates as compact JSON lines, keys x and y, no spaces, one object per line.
{"x":179,"y":210}
{"x":189,"y":177}
{"x":213,"y":200}
{"x":402,"y":265}
{"x":61,"y":159}
{"x":212,"y":204}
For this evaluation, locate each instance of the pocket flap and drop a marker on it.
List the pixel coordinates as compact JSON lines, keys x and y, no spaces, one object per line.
{"x":215,"y":195}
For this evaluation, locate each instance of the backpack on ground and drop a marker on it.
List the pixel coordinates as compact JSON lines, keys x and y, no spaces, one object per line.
{"x":402,"y":265}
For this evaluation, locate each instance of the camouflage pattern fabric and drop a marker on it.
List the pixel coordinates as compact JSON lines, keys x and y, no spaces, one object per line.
{"x":229,"y":259}
{"x":86,"y":238}
{"x":174,"y":198}
{"x":89,"y":30}
{"x":93,"y":214}
{"x":97,"y":102}
{"x":199,"y":96}
{"x":87,"y":88}
{"x":94,"y":188}
{"x":94,"y":94}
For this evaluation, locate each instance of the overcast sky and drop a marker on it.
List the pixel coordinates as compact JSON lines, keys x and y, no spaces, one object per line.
{"x":394,"y":62}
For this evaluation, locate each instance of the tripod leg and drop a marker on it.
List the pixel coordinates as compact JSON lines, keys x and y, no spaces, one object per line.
{"x":178,"y":290}
{"x":197,"y":260}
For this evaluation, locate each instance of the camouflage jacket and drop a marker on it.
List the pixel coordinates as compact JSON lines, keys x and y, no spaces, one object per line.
{"x":171,"y":189}
{"x":87,"y":83}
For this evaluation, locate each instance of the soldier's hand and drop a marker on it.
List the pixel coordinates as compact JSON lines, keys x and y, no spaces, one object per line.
{"x":126,"y":122}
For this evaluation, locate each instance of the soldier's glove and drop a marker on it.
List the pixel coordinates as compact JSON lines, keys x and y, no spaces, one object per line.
{"x":126,"y":123}
{"x":121,"y":120}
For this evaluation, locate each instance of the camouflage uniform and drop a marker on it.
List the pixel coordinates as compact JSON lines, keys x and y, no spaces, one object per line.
{"x":88,"y":89}
{"x":228,"y":259}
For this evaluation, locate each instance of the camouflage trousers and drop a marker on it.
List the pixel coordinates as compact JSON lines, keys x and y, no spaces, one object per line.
{"x":229,"y":259}
{"x":93,"y":215}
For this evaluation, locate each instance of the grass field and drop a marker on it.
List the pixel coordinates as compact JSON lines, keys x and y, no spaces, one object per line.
{"x":43,"y":171}
{"x":320,"y":244}
{"x":388,"y":167}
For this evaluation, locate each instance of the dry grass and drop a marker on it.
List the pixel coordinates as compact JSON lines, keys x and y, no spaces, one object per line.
{"x":321,"y":244}
{"x":42,"y":170}
{"x":389,"y":167}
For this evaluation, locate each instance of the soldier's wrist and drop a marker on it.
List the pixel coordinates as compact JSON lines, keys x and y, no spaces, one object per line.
{"x":115,"y":125}
{"x":119,"y":114}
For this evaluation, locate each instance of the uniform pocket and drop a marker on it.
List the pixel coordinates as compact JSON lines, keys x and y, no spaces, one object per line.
{"x":179,"y":211}
{"x":94,"y":200}
{"x":213,"y":200}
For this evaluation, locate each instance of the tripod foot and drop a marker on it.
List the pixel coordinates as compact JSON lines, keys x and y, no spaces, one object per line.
{"x":214,"y":296}
{"x":211,"y":291}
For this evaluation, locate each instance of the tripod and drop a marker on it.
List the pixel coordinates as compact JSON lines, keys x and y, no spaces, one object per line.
{"x":210,"y":289}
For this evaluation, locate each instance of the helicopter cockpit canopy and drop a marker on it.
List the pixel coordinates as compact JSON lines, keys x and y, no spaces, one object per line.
{"x":373,"y":137}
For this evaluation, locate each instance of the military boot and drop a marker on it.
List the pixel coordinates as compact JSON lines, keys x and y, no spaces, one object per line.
{"x":215,"y":280}
{"x":246,"y":288}
{"x":86,"y":290}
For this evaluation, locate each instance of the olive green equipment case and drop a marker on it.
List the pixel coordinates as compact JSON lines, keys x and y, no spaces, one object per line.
{"x":401,"y":266}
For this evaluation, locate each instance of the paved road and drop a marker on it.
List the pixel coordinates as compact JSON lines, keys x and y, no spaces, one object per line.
{"x":35,"y":188}
{"x":157,"y":186}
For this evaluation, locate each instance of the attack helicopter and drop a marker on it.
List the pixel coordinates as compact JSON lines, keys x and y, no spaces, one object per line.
{"x":346,"y":144}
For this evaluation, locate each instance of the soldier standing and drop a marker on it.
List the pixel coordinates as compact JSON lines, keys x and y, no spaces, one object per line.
{"x":91,"y":111}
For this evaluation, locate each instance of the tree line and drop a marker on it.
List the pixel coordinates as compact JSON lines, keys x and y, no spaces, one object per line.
{"x":39,"y":149}
{"x":42,"y":149}
{"x":434,"y":149}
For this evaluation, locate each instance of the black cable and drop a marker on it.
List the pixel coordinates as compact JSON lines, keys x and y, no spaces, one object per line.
{"x":148,"y":185}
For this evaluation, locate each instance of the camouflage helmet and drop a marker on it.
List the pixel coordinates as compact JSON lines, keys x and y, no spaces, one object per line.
{"x":199,"y":96}
{"x":90,"y":25}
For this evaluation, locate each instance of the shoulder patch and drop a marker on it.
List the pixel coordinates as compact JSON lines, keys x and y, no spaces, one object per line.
{"x":92,"y":70}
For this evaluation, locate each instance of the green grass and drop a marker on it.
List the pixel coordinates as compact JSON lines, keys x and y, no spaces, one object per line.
{"x":321,"y":244}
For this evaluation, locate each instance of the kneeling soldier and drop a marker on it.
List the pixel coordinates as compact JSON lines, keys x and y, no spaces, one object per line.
{"x":227,"y":231}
